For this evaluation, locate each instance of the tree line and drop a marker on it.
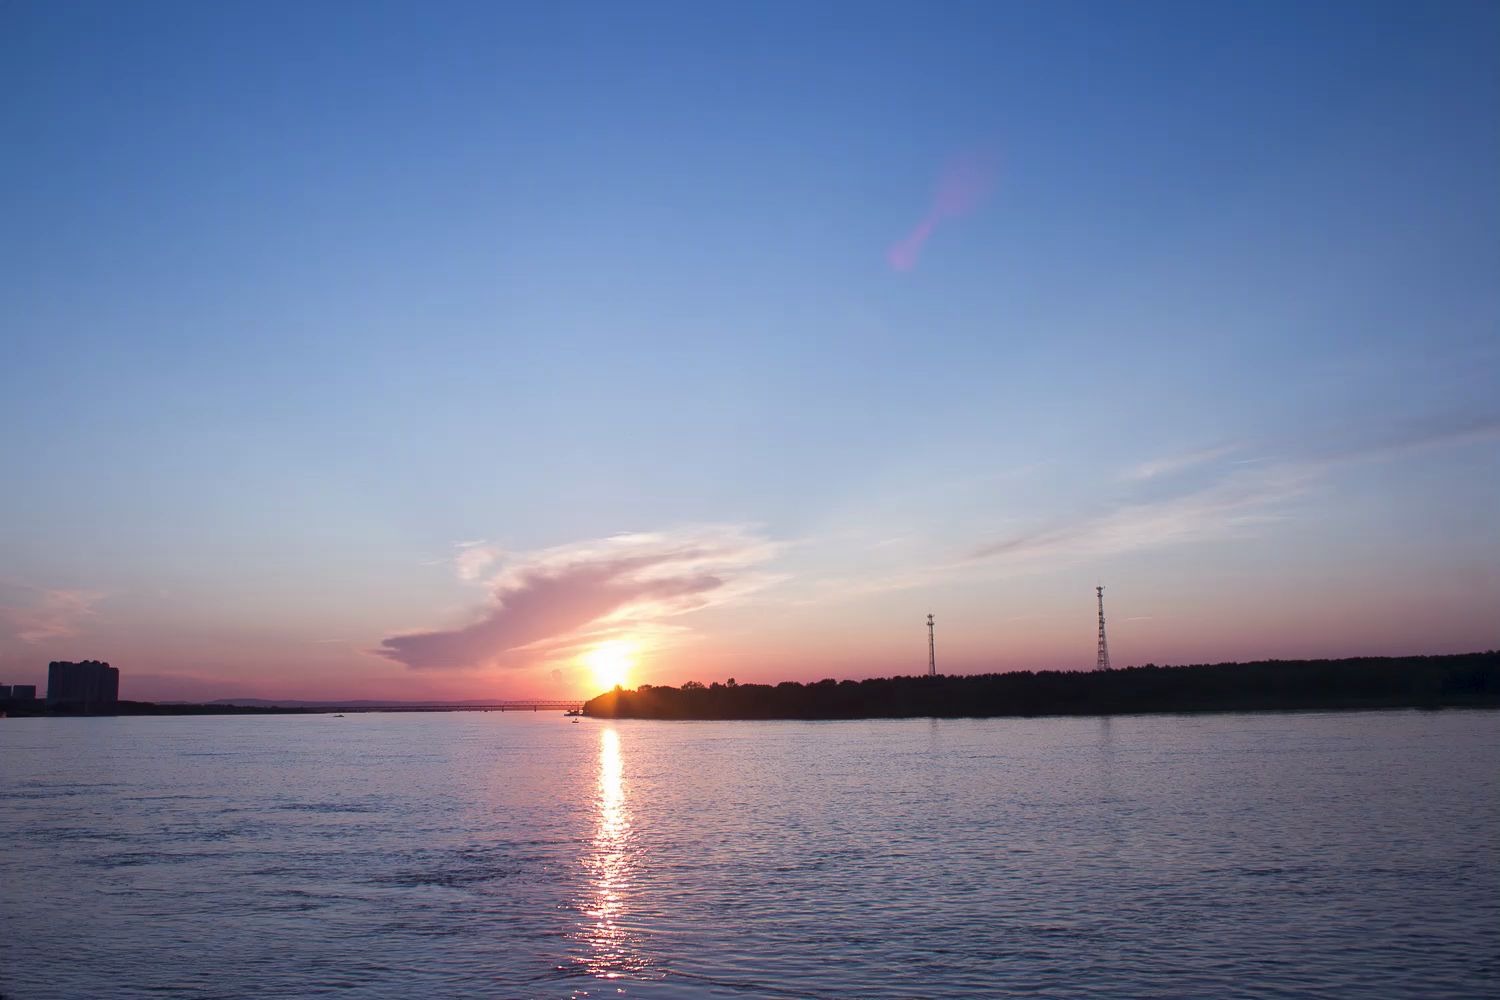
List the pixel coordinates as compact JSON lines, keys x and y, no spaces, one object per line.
{"x":1471,"y":679}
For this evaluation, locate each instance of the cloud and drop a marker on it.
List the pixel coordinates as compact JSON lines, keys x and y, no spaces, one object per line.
{"x":558,"y":598}
{"x":1174,"y":463}
{"x":1387,"y":444}
{"x":1236,"y":501}
{"x":473,"y":559}
{"x":962,"y":187}
{"x":36,"y":614}
{"x":1222,"y":510}
{"x":1230,"y":499}
{"x":1445,"y":432}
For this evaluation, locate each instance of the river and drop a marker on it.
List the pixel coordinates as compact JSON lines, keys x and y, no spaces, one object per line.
{"x":520,"y":855}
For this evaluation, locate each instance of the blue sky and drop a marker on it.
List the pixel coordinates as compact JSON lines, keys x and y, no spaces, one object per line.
{"x":295,"y":302}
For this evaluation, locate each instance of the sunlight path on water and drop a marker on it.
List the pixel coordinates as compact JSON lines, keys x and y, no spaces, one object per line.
{"x":504,"y":855}
{"x":615,"y":949}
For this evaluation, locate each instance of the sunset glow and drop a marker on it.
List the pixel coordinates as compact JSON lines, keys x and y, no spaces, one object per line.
{"x":610,"y":662}
{"x":728,"y":499}
{"x":690,"y":391}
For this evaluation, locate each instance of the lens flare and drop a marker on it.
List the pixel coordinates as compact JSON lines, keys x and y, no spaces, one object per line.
{"x":962,"y":187}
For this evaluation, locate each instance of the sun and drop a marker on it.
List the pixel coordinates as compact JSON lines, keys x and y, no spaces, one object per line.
{"x":611,"y":661}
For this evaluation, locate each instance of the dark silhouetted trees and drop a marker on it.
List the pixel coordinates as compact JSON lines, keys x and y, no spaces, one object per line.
{"x":1365,"y":682}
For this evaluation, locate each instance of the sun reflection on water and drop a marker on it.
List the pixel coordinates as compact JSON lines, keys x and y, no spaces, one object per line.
{"x":614,"y":948}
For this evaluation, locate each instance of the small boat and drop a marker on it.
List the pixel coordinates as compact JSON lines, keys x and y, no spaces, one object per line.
{"x":575,"y":722}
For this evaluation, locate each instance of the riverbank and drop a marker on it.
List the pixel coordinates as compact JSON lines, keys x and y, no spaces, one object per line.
{"x":1462,"y":680}
{"x":41,"y":708}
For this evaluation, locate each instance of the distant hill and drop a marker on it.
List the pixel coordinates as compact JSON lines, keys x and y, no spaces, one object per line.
{"x":1468,"y":679}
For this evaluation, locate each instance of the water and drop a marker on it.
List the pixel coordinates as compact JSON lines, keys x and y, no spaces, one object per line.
{"x":490,"y":855}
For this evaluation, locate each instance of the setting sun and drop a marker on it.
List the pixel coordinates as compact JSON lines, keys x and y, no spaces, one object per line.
{"x":611,"y":662}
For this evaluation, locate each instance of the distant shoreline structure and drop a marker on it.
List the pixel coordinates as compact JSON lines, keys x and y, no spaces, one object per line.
{"x":1461,"y":680}
{"x":1449,"y":681}
{"x":266,"y":706}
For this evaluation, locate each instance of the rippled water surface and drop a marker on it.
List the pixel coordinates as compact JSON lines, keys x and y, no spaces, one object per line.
{"x":506,"y":855}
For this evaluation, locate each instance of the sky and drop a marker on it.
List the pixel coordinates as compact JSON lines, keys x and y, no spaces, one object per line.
{"x":492,"y":350}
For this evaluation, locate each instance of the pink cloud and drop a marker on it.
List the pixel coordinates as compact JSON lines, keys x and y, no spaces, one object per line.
{"x":472,"y":559}
{"x":36,"y":614}
{"x":555,"y":599}
{"x":961,"y":188}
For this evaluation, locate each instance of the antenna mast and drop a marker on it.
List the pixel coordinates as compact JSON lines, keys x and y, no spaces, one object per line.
{"x":931,"y":649}
{"x":1102,"y":663}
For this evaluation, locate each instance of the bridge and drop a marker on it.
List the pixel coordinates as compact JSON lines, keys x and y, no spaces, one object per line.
{"x":519,"y":705}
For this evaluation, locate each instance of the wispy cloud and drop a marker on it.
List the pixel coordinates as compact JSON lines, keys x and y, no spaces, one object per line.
{"x":1171,"y":464}
{"x":38,"y":614}
{"x":1223,"y":499}
{"x":1248,"y":495}
{"x":556,"y":598}
{"x":473,"y":559}
{"x":1222,"y":510}
{"x":845,"y":588}
{"x":1412,"y":438}
{"x":961,"y":188}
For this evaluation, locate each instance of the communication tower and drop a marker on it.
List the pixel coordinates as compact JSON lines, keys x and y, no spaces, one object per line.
{"x":1102,"y":663}
{"x":931,"y":649}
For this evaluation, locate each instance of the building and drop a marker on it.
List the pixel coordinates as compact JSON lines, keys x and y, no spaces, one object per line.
{"x":90,"y":686}
{"x":4,"y":692}
{"x":19,"y":692}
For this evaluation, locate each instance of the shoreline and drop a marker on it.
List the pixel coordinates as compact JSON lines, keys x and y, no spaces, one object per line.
{"x":148,"y":708}
{"x":1464,"y":680}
